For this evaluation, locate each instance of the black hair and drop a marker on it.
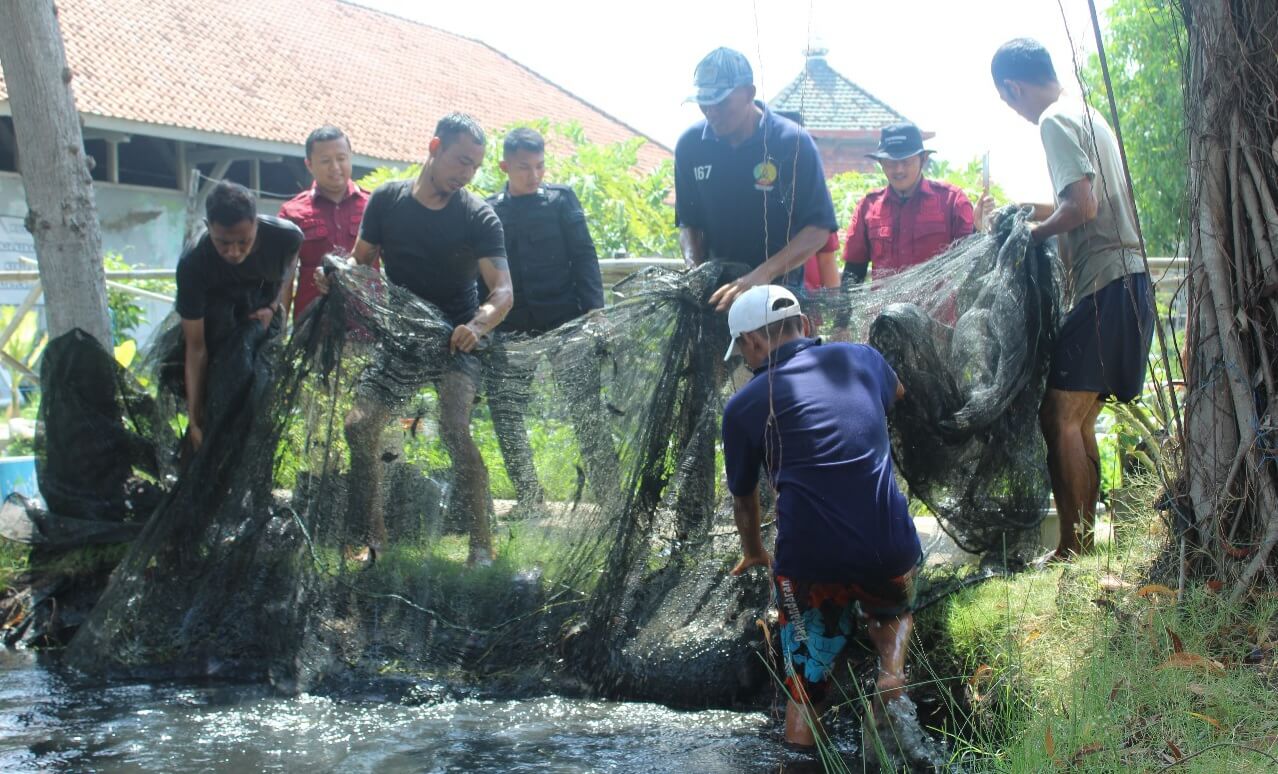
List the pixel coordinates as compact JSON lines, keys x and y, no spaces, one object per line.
{"x":325,"y":133}
{"x":1022,"y":59}
{"x":230,"y":204}
{"x":454,"y":125}
{"x":523,"y":139}
{"x":793,"y":115}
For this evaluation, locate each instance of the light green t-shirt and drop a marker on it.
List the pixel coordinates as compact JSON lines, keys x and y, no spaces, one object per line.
{"x":1106,"y":248}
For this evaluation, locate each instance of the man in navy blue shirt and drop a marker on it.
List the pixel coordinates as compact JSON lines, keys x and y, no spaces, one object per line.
{"x":749,"y":187}
{"x":815,"y":418}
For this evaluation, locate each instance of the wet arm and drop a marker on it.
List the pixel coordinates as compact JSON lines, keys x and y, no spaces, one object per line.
{"x":196,"y":369}
{"x":1077,"y":207}
{"x":692,"y":244}
{"x":746,"y":513}
{"x":496,"y":274}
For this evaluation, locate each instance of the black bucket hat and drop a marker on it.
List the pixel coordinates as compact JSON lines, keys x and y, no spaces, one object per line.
{"x":899,"y":141}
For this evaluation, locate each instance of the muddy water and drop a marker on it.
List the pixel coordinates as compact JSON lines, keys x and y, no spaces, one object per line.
{"x":49,"y":724}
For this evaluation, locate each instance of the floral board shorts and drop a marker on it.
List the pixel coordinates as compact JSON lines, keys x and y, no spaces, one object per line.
{"x":817,"y":622}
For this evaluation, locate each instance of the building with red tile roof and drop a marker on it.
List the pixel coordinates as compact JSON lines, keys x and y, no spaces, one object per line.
{"x":843,"y":118}
{"x":165,"y":86}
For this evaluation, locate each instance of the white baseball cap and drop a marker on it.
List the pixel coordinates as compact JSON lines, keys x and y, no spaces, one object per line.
{"x":759,"y":306}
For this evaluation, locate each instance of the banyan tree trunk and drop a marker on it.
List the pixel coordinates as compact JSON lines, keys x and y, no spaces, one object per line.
{"x":1229,"y":490}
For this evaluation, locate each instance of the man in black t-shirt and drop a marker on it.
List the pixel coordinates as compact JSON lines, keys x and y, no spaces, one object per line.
{"x":436,"y":239}
{"x":234,"y":273}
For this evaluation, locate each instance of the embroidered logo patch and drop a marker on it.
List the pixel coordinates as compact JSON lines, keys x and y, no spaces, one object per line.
{"x":765,"y":175}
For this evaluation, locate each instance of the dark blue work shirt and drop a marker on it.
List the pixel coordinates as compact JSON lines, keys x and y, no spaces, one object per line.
{"x":816,"y":420}
{"x":751,"y":200}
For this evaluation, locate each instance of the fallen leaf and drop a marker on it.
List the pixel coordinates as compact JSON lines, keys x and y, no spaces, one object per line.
{"x":1214,"y":586}
{"x":1207,"y":719}
{"x":983,"y":671}
{"x":1177,"y":645}
{"x":1085,"y":751}
{"x":1185,"y":660}
{"x":1155,"y":589}
{"x":1033,"y":635}
{"x":1049,"y":743}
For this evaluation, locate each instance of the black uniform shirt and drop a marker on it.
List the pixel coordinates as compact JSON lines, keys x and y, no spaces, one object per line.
{"x":554,"y":269}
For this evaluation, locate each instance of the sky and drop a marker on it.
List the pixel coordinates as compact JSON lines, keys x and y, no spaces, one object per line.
{"x":927,"y":59}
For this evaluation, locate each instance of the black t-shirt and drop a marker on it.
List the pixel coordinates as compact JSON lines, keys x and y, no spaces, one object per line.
{"x":208,"y":283}
{"x":434,"y":253}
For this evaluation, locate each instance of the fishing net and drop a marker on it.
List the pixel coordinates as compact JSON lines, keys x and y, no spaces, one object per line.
{"x":613,"y":532}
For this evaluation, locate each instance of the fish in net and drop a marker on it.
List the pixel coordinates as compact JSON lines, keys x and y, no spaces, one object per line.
{"x":616,"y":581}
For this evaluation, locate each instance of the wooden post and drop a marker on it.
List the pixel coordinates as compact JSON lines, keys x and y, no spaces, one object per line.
{"x":62,"y":214}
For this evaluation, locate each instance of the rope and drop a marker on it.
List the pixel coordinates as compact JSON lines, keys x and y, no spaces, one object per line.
{"x":1131,"y":190}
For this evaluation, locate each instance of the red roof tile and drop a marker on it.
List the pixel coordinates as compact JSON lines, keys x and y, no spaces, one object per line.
{"x":252,"y":69}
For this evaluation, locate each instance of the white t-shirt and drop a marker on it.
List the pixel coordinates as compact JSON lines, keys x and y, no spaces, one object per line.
{"x":1080,"y":144}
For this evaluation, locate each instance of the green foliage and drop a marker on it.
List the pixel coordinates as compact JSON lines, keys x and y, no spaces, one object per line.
{"x":1145,"y":45}
{"x":848,"y":188}
{"x":627,"y":209}
{"x":126,"y":313}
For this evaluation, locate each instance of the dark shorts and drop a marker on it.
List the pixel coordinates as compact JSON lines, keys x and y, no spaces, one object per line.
{"x":1103,"y":346}
{"x":394,"y":381}
{"x":817,"y":622}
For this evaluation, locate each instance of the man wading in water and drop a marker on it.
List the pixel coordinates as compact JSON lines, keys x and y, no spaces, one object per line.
{"x":435,"y":238}
{"x":815,"y":417}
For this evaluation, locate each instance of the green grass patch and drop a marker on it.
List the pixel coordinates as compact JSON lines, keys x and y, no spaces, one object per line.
{"x":1083,"y":666}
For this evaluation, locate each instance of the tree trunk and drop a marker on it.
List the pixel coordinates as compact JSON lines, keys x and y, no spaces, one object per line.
{"x":1230,"y":481}
{"x":62,"y":215}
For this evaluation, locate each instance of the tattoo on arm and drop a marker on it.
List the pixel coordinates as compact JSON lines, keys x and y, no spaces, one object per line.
{"x":501,"y":263}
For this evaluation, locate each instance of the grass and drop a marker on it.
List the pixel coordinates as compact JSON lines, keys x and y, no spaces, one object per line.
{"x":1083,"y":666}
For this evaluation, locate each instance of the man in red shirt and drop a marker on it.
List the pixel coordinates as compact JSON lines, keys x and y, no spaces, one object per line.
{"x":328,"y":214}
{"x":910,"y":221}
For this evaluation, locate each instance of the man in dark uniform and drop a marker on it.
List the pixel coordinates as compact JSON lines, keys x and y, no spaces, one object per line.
{"x":749,"y":186}
{"x":236,"y":272}
{"x":436,"y":239}
{"x":554,"y":271}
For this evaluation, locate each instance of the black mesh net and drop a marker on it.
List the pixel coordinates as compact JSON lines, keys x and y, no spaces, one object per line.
{"x":611,"y":534}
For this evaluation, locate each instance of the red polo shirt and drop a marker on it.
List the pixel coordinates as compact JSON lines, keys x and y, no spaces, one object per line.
{"x":327,"y":227}
{"x":894,"y":235}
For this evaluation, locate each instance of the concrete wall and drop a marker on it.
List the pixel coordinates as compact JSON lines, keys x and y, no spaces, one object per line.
{"x":144,"y":225}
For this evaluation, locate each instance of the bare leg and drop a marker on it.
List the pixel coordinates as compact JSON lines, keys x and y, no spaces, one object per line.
{"x":509,"y":388}
{"x":1064,"y":418}
{"x":456,"y":399}
{"x":891,"y":636}
{"x":1087,"y":535}
{"x":364,"y":425}
{"x":802,"y":723}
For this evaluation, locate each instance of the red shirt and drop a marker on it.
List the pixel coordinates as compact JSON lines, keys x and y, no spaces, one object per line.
{"x":812,"y":269}
{"x":895,"y":235}
{"x":327,"y":227}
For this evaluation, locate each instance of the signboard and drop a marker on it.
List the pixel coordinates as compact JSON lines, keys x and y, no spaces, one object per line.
{"x":15,"y":243}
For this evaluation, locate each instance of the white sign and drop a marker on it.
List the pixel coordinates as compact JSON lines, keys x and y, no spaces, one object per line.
{"x":15,"y":243}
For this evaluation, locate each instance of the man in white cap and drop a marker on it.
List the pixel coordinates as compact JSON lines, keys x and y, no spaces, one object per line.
{"x":815,"y":417}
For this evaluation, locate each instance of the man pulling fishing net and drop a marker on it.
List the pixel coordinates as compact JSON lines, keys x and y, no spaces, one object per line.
{"x":434,"y":238}
{"x":815,"y":418}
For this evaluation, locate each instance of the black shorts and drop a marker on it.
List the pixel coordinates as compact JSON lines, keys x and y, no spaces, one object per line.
{"x":1103,"y":346}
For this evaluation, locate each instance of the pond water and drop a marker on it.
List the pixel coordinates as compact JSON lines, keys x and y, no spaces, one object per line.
{"x":48,"y":723}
